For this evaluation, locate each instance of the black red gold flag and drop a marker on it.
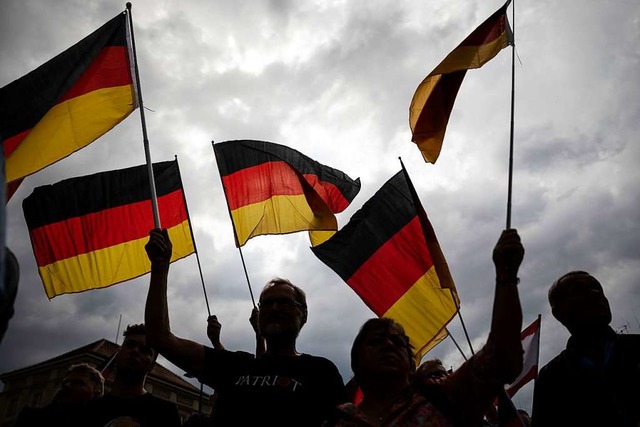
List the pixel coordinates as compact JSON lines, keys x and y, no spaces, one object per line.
{"x":68,"y":102}
{"x":274,"y":189}
{"x":433,"y":100}
{"x":89,"y":232}
{"x":389,"y":255}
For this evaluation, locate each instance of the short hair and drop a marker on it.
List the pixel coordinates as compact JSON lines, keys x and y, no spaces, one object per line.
{"x":300,"y":296}
{"x":94,"y":375}
{"x":138,"y":329}
{"x":135,"y":329}
{"x":431,"y":368}
{"x":555,"y":294}
{"x":378,"y":323}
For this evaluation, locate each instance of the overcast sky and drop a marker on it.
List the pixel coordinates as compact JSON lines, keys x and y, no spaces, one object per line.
{"x":334,"y":79}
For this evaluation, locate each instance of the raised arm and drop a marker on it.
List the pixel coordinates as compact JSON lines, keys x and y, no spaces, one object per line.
{"x":506,"y":320}
{"x":187,"y":355}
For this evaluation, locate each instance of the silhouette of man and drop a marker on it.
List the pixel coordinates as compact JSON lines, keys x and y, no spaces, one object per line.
{"x":281,"y":387}
{"x":128,"y":403}
{"x":594,"y":381}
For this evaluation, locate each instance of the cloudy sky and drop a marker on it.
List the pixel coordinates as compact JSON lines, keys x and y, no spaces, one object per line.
{"x":334,"y":79}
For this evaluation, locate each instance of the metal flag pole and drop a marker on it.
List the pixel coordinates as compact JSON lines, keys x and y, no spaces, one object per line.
{"x":235,"y":235}
{"x":193,"y":238}
{"x":138,"y":90}
{"x":513,"y":96}
{"x":118,"y":331}
{"x":456,"y":343}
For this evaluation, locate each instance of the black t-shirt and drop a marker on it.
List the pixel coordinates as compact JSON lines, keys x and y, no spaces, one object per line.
{"x":272,"y":390}
{"x":146,"y":410}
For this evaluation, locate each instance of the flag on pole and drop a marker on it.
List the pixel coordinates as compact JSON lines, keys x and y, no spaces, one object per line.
{"x":434,"y":98}
{"x":274,"y":189}
{"x":68,"y":102}
{"x":389,"y":255}
{"x":531,"y":345}
{"x":89,"y":232}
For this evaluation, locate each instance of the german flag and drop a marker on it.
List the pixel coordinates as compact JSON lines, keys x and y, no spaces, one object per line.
{"x":89,"y":232}
{"x":274,"y":189}
{"x":389,"y":255}
{"x":433,"y":101}
{"x":68,"y":102}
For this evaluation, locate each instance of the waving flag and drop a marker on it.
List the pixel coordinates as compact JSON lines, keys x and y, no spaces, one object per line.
{"x":274,"y":189}
{"x":389,"y":255}
{"x":531,"y":345}
{"x":434,"y":98}
{"x":68,"y":102}
{"x":89,"y":232}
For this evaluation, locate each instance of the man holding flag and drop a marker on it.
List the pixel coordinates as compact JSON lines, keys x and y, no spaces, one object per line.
{"x":282,"y":387}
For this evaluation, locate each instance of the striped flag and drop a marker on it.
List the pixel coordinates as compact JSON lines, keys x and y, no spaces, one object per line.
{"x":434,"y":98}
{"x":389,"y":255}
{"x":68,"y":102}
{"x":531,"y":345}
{"x":89,"y":232}
{"x":274,"y":189}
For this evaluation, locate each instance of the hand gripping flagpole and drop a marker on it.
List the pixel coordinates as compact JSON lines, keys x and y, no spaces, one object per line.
{"x":235,"y":235}
{"x":138,"y":90}
{"x":193,"y":238}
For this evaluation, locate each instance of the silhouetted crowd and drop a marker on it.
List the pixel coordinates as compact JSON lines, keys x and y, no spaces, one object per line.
{"x":593,"y":382}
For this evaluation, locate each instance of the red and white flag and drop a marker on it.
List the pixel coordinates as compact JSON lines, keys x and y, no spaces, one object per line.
{"x":531,"y":345}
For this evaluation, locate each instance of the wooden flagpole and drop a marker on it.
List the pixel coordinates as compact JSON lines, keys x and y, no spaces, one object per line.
{"x":138,"y":90}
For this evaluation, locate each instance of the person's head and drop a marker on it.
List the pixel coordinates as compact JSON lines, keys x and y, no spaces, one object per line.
{"x":431,"y":370}
{"x":381,"y":350}
{"x":283,"y":309}
{"x":578,"y":302}
{"x":82,"y":383}
{"x":134,"y":355}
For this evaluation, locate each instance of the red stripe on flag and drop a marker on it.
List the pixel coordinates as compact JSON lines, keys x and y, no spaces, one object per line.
{"x":392,"y":270}
{"x":104,"y":229}
{"x":488,"y":31}
{"x":328,"y":192}
{"x":259,"y":183}
{"x":109,"y":69}
{"x":10,"y":144}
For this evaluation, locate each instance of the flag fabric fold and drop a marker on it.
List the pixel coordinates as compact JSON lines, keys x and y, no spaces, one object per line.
{"x":68,"y":102}
{"x":531,"y":345}
{"x":274,"y":189}
{"x":433,"y":100}
{"x":89,"y":232}
{"x":389,"y":255}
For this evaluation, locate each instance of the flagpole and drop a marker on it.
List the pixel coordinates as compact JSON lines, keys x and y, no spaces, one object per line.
{"x":235,"y":235}
{"x":118,"y":331}
{"x":464,"y":327}
{"x":145,"y":139}
{"x":456,"y":343}
{"x":193,"y":238}
{"x":513,"y":96}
